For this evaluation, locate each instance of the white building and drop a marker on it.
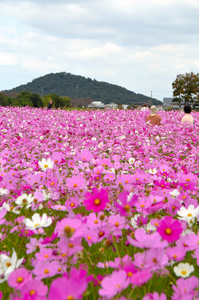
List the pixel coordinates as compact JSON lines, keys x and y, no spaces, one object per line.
{"x":96,"y":104}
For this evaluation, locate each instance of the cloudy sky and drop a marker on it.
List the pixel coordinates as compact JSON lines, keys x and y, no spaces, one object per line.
{"x":138,"y":44}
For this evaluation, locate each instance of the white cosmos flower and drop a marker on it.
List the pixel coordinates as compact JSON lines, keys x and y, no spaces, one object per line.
{"x":152,"y":171}
{"x":8,"y":264}
{"x":131,"y":160}
{"x":3,"y":191}
{"x":46,"y":164}
{"x":100,"y":145}
{"x":174,"y":193}
{"x":150,"y":227}
{"x":11,"y":208}
{"x":134,"y":221}
{"x":183,"y":270}
{"x":188,"y":214}
{"x":122,"y":137}
{"x":25,"y":200}
{"x":37,"y":221}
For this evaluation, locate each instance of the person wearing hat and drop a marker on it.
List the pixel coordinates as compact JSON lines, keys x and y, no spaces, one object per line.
{"x":154,"y":118}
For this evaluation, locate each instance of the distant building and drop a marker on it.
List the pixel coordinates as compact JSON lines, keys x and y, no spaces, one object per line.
{"x":112,"y":105}
{"x":96,"y":104}
{"x":167,"y":102}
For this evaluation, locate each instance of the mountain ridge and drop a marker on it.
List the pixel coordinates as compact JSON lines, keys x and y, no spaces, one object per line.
{"x":76,"y":86}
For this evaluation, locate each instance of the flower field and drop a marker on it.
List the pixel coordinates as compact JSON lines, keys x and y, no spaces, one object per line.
{"x":98,"y":205}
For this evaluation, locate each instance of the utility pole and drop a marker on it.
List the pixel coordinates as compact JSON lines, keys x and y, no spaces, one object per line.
{"x":77,"y":90}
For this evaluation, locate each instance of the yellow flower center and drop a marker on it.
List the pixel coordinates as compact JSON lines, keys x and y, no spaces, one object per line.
{"x":19,"y":279}
{"x":68,"y":231}
{"x":184,"y":272}
{"x":129,"y":274}
{"x":117,"y":224}
{"x":70,"y":297}
{"x":189,"y":215}
{"x":45,"y":166}
{"x":72,"y":204}
{"x":127,"y":207}
{"x":46,"y":271}
{"x":32,"y":292}
{"x":97,"y":201}
{"x":168,"y":231}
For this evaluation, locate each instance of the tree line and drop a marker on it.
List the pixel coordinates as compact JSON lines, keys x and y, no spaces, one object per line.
{"x":33,"y":100}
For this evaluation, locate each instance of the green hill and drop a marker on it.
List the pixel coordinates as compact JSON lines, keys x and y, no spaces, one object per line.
{"x":73,"y":86}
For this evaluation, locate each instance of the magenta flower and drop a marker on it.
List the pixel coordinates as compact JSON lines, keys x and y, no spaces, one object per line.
{"x":170,"y":229}
{"x":96,"y":200}
{"x":114,"y":284}
{"x":68,"y":288}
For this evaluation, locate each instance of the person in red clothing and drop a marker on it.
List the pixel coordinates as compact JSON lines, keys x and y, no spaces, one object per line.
{"x":153,"y":118}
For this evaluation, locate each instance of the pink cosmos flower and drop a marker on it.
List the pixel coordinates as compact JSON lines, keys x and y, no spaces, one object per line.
{"x":117,"y":223}
{"x":96,"y":200}
{"x":184,"y":288}
{"x":34,"y":288}
{"x":141,"y":277}
{"x":153,"y":259}
{"x":45,"y":269}
{"x":18,"y":277}
{"x":3,"y":212}
{"x":176,"y":253}
{"x":75,"y":182}
{"x":70,"y":228}
{"x":169,"y":229}
{"x":125,"y":203}
{"x":145,"y":240}
{"x":114,"y":284}
{"x":44,"y":254}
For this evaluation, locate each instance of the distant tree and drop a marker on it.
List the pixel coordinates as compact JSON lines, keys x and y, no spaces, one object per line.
{"x":57,"y":100}
{"x":119,"y":105}
{"x":66,"y":101}
{"x":36,"y":100}
{"x":4,"y":100}
{"x":186,"y":88}
{"x":23,"y":99}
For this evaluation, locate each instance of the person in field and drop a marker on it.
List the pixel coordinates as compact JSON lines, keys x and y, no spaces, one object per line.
{"x":187,"y":118}
{"x":50,"y":104}
{"x":154,"y":118}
